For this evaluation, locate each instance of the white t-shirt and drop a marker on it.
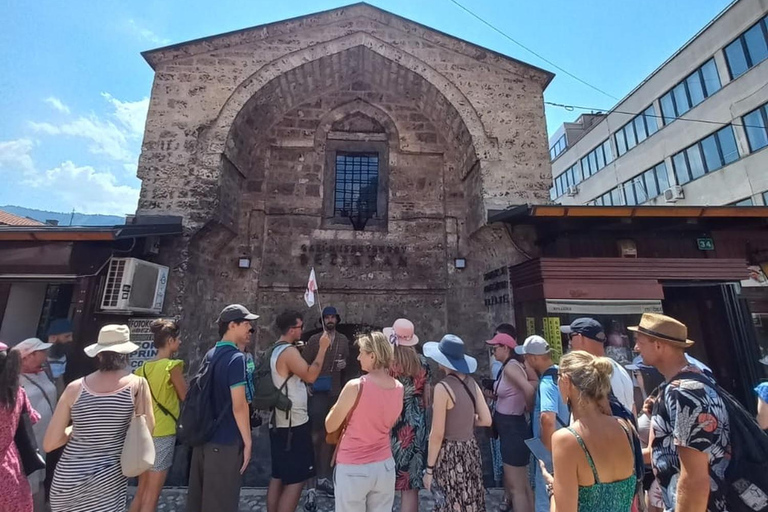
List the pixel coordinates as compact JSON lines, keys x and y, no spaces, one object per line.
{"x":621,"y":384}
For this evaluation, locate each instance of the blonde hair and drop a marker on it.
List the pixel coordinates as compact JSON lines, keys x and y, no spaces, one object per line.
{"x":590,"y":374}
{"x":377,"y":344}
{"x":406,"y":362}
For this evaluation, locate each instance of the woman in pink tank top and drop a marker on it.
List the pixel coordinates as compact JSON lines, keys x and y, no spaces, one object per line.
{"x":514,"y":396}
{"x":364,"y":477}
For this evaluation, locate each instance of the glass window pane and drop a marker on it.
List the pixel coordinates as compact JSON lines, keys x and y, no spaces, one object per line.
{"x":756,"y":45}
{"x":651,"y":120}
{"x":711,"y":77}
{"x":661,"y":177}
{"x":728,"y":145}
{"x":695,"y":164}
{"x":681,"y":99}
{"x":608,"y":152}
{"x":737,"y":60}
{"x":711,"y":153}
{"x":585,"y":167}
{"x":681,"y":168}
{"x":578,"y":174}
{"x":629,"y":133}
{"x":754,"y":125}
{"x":651,"y":188}
{"x":629,"y":194}
{"x":640,"y":129}
{"x":621,"y":143}
{"x":668,"y":108}
{"x":600,"y":155}
{"x":744,"y":202}
{"x":593,"y":162}
{"x":695,"y":89}
{"x":616,"y":197}
{"x":640,"y":192}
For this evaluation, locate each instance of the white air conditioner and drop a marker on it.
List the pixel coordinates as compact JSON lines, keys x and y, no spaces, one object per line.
{"x":671,"y":195}
{"x":572,"y":191}
{"x":134,"y":285}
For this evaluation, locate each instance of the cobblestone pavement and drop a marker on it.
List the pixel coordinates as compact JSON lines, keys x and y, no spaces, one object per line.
{"x":174,"y":499}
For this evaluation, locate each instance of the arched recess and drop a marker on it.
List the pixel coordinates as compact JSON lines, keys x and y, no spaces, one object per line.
{"x":356,"y":107}
{"x":307,"y":64}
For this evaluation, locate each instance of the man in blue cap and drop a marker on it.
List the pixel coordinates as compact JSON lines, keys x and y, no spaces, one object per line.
{"x":324,"y":393}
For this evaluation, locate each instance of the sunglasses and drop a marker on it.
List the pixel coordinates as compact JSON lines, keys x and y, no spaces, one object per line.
{"x":251,"y":330}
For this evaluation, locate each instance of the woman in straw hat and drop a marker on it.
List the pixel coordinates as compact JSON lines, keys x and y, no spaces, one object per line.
{"x":88,"y":477}
{"x":454,"y":473}
{"x":409,"y":435}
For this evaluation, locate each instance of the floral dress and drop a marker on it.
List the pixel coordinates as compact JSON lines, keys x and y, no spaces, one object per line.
{"x":15,"y":494}
{"x":411,"y":432}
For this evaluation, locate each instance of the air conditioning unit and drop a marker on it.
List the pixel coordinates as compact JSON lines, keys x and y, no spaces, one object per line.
{"x":134,"y":285}
{"x":671,"y":195}
{"x":572,"y":191}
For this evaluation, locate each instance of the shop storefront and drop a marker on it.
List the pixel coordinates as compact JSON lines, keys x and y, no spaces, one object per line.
{"x":699,"y":265}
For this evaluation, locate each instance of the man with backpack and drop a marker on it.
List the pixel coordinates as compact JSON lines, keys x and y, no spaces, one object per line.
{"x":691,"y":428}
{"x":215,"y":419}
{"x":290,"y":433}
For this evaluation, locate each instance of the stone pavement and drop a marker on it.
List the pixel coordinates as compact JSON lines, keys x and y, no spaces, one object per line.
{"x":173,"y":499}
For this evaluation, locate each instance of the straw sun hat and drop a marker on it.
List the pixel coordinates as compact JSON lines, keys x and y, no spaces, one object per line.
{"x":112,"y":338}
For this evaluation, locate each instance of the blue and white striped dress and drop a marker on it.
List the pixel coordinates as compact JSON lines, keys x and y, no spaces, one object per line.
{"x":88,"y":477}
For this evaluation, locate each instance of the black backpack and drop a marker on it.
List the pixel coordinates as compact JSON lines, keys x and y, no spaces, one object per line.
{"x":197,"y":418}
{"x":746,"y":478}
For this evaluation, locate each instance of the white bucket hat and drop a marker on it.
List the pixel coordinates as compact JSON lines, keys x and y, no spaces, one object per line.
{"x":112,"y":338}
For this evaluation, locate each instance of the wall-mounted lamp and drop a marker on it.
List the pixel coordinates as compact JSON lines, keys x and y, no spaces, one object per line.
{"x":244,"y":263}
{"x":460,"y":263}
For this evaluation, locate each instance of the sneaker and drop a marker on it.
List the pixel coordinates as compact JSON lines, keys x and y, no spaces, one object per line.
{"x":310,"y":504}
{"x":325,"y":485}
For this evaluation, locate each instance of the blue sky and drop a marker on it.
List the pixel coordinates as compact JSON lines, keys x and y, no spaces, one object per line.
{"x":74,"y":88}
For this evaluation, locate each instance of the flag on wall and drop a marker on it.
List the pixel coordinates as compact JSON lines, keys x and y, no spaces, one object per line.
{"x":309,"y":295}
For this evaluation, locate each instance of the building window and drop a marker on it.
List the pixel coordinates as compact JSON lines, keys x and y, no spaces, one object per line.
{"x":357,"y":183}
{"x":756,"y":126}
{"x":558,"y":147}
{"x":765,"y":198}
{"x":691,"y":91}
{"x":636,"y":131}
{"x":750,"y":49}
{"x":647,"y":185}
{"x":745,"y":202}
{"x":707,"y":155}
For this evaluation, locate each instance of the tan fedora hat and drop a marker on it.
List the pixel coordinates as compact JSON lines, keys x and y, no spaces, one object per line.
{"x":664,"y":328}
{"x":112,"y":338}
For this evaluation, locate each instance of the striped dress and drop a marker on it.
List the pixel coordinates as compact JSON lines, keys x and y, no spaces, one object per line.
{"x":88,"y":477}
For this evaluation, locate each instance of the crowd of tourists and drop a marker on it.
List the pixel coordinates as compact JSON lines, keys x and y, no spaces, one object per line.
{"x":361,"y":420}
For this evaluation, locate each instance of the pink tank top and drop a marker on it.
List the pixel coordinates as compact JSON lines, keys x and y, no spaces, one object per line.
{"x":366,"y":439}
{"x":511,"y":399}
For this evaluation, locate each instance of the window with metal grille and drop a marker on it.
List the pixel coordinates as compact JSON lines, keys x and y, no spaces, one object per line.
{"x":357,"y":183}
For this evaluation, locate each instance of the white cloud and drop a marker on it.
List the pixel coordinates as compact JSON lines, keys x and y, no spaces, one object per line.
{"x":117,"y":138}
{"x":146,"y":35}
{"x":16,"y":155}
{"x":86,"y":189}
{"x":57,"y":104}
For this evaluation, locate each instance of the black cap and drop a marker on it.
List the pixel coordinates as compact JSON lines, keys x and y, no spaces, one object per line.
{"x":235,"y":312}
{"x":587,"y":327}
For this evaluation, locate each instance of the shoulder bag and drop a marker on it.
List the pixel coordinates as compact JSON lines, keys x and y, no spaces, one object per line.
{"x":138,"y":448}
{"x":29,"y":453}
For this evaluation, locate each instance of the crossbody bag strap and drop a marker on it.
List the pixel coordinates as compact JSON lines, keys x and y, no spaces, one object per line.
{"x":160,"y":406}
{"x":466,"y":388}
{"x":45,"y":395}
{"x":345,"y":424}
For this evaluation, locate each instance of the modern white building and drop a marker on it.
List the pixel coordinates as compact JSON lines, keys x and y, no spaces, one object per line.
{"x":693,"y":133}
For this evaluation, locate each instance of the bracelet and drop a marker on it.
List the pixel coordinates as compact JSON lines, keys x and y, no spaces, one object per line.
{"x":430,"y":467}
{"x":427,"y":471}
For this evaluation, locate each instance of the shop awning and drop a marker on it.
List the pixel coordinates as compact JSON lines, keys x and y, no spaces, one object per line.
{"x":141,"y":228}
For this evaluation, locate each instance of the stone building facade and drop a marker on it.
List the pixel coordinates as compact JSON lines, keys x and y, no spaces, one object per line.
{"x":254,"y":138}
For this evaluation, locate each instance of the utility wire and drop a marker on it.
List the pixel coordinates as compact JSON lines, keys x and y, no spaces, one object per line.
{"x":571,"y":108}
{"x":521,"y":45}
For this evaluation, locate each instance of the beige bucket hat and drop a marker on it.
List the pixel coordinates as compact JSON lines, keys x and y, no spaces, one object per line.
{"x":112,"y":338}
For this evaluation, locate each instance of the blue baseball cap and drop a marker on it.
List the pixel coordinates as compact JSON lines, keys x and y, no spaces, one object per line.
{"x":59,"y":326}
{"x":587,"y":327}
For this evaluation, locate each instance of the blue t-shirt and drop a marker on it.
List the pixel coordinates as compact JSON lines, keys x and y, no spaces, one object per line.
{"x":228,"y":372}
{"x":548,"y":400}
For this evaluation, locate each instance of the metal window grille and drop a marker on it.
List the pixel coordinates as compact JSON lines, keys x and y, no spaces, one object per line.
{"x":357,"y":183}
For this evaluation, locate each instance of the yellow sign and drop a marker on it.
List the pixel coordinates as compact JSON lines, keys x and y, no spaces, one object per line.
{"x":553,"y":336}
{"x":530,"y":326}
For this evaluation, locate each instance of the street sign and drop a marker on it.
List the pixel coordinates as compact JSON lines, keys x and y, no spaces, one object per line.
{"x":705,"y":244}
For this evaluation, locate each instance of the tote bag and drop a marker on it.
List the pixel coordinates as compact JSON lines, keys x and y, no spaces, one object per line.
{"x":138,"y":448}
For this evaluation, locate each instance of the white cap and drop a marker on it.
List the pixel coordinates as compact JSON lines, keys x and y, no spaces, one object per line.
{"x":534,"y":345}
{"x":30,"y":345}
